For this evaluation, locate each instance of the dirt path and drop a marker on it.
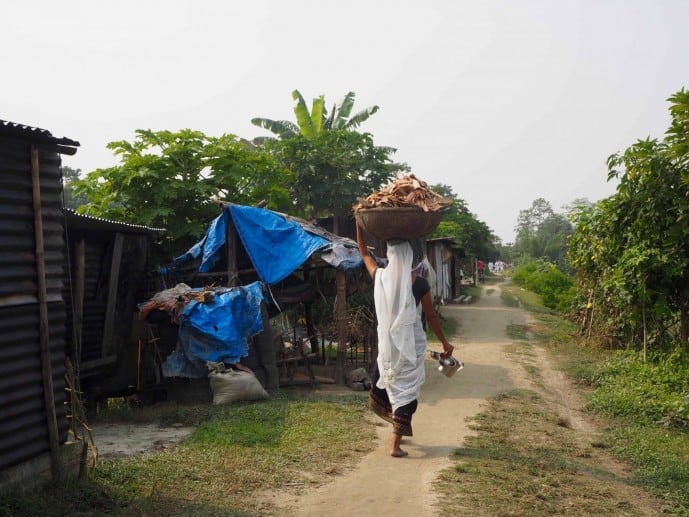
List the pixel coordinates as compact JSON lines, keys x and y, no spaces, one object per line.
{"x":382,"y":484}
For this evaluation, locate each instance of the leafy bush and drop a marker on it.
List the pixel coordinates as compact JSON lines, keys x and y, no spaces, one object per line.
{"x":655,"y":390}
{"x":555,"y":288}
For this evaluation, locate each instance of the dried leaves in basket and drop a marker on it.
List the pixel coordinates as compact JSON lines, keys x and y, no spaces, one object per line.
{"x":406,"y":190}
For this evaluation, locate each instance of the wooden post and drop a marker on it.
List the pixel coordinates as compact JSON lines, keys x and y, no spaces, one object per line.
{"x":78,"y":304}
{"x":231,"y":247}
{"x":308,"y":314}
{"x":113,"y":281}
{"x":44,"y":330}
{"x":341,"y":319}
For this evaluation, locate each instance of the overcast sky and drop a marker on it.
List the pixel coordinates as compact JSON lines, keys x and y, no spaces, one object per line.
{"x":506,"y":101}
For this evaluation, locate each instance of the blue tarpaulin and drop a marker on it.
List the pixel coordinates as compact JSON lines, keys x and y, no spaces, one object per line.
{"x":276,"y":244}
{"x":217,"y":331}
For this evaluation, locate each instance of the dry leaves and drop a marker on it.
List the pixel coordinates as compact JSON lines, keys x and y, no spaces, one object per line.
{"x":405,"y":190}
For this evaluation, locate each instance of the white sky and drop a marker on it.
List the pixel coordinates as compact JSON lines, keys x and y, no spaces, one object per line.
{"x":504,"y":100}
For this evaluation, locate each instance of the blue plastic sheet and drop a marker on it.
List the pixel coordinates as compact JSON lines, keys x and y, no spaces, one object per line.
{"x":276,"y":244}
{"x":218,"y":331}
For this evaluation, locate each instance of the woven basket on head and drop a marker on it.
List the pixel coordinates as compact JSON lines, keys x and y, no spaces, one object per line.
{"x":392,"y":223}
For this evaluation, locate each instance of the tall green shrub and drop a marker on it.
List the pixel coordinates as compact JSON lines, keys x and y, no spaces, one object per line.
{"x":555,"y":288}
{"x":631,"y":250}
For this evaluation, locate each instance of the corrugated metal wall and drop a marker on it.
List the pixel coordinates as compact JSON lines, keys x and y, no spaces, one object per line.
{"x":95,"y":291}
{"x":23,"y":421}
{"x":98,"y":247}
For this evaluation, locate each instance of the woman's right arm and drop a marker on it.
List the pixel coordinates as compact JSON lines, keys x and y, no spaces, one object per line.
{"x":369,"y":261}
{"x":434,"y":322}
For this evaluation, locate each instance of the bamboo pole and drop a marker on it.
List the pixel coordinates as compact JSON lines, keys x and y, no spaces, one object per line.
{"x":231,"y":249}
{"x":341,"y":318}
{"x":44,"y":334}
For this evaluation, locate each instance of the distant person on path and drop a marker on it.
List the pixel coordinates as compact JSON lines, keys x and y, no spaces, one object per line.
{"x":480,"y":267}
{"x":400,"y":295}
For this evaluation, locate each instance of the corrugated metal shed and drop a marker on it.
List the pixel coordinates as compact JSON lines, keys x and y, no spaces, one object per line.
{"x":102,"y":294}
{"x":32,"y":311}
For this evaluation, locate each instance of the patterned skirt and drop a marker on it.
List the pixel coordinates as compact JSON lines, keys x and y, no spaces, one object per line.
{"x":379,"y":403}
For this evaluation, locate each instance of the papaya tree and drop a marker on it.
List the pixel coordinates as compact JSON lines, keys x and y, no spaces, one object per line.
{"x":171,"y":180}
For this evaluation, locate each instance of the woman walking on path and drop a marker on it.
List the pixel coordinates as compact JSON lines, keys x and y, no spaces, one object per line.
{"x":400,"y":296}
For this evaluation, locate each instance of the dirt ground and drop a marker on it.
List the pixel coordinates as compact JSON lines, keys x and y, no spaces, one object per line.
{"x":383,"y":485}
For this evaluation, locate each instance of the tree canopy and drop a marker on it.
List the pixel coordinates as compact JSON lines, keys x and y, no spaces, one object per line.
{"x":331,"y":164}
{"x":171,"y":180}
{"x":332,"y":170}
{"x":542,"y":234}
{"x":70,"y":198}
{"x":462,"y":226}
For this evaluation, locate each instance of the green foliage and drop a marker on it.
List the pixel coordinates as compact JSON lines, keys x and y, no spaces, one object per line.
{"x":555,"y":288}
{"x":541,"y":233}
{"x":71,"y":199}
{"x":332,"y":165}
{"x":169,"y":179}
{"x":656,"y":390}
{"x":631,"y":251}
{"x":463,"y":227}
{"x":332,"y":169}
{"x":310,"y":124}
{"x":661,"y":458}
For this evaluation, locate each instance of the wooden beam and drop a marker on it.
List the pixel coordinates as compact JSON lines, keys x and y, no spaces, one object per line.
{"x":43,"y":326}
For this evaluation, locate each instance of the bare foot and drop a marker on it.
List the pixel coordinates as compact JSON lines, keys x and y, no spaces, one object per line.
{"x":398,"y":453}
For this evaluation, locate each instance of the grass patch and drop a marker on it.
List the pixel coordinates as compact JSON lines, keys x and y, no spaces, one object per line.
{"x":524,"y":461}
{"x":660,"y":457}
{"x":236,"y":452}
{"x":630,"y":396}
{"x":475,"y":291}
{"x":530,"y":301}
{"x":517,"y":332}
{"x":508,"y":298}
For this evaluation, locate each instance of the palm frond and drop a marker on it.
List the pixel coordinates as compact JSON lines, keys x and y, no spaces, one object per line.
{"x":261,"y":140}
{"x":301,"y":111}
{"x":282,"y":128}
{"x":343,"y":109}
{"x":330,"y":120}
{"x":317,"y":113}
{"x":360,"y":117}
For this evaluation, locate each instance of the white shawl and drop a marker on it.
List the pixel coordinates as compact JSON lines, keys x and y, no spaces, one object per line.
{"x":398,"y":360}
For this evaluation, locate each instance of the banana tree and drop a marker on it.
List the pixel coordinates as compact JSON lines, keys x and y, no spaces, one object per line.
{"x":311,"y":123}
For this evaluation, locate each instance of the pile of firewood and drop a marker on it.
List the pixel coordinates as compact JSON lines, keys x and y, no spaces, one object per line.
{"x":405,"y":191}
